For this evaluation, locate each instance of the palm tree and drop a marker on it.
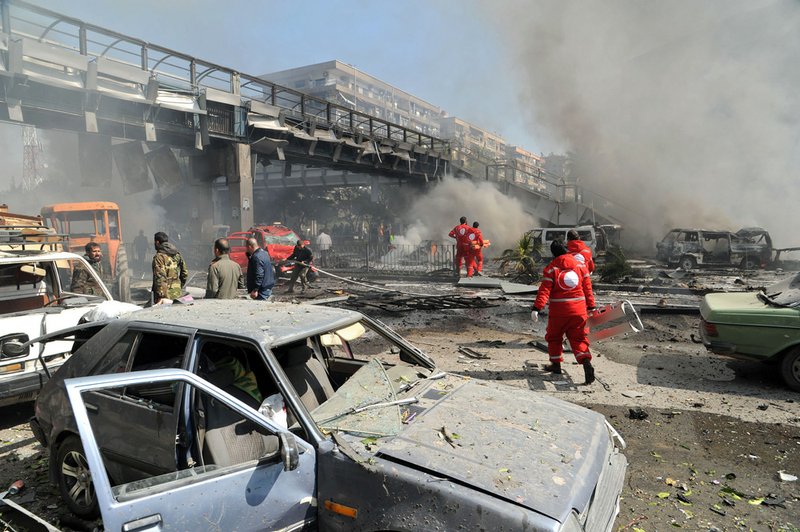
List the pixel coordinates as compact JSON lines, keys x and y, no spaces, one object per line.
{"x":521,"y":259}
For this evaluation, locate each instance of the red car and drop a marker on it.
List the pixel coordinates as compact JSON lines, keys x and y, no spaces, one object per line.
{"x":277,"y":239}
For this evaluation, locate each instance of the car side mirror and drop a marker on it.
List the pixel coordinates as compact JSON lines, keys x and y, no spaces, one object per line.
{"x":290,"y":454}
{"x":14,"y":349}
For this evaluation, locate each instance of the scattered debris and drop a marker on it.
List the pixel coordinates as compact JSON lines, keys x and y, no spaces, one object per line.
{"x":632,"y":395}
{"x":637,"y":413}
{"x":786,"y":477}
{"x":472,"y":353}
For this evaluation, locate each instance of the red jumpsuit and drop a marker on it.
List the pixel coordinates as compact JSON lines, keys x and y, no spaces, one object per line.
{"x":460,"y":233}
{"x":566,"y":283}
{"x":582,"y":253}
{"x":475,"y":257}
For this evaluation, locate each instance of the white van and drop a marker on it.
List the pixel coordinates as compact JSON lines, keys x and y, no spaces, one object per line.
{"x":545,"y":235}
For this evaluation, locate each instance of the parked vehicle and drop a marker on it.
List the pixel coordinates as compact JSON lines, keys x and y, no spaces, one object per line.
{"x":749,"y":248}
{"x":277,"y":239}
{"x":762,"y":326}
{"x":544,"y":236}
{"x":370,"y":430}
{"x":95,"y":221}
{"x":35,"y":299}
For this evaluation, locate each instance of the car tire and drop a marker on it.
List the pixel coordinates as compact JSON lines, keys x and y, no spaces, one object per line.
{"x":750,"y":263}
{"x":74,"y":478}
{"x":790,"y":369}
{"x":687,"y":263}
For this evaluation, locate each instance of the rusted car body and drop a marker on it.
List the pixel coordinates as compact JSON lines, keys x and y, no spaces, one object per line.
{"x":373,"y":436}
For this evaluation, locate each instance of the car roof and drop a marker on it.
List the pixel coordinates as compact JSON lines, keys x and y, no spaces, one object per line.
{"x":29,"y":255}
{"x":271,"y":323}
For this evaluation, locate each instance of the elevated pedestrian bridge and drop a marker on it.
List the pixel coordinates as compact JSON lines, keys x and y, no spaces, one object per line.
{"x":60,"y":72}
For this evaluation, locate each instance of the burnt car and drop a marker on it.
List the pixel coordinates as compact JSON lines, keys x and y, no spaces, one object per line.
{"x":246,"y":415}
{"x":758,"y":326}
{"x":748,"y":248}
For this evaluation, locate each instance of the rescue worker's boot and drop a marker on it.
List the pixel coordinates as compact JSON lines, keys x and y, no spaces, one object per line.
{"x":588,"y":371}
{"x":554,"y":367}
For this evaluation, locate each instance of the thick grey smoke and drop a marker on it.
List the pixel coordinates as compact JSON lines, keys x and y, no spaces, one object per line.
{"x":685,"y":112}
{"x":502,"y":218}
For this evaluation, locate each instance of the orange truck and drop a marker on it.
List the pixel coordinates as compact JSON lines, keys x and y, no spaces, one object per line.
{"x":94,"y":221}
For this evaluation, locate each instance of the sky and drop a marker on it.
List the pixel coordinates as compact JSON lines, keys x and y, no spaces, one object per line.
{"x":684,"y":112}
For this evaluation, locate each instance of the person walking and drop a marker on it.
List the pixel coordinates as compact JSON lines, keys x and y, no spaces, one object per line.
{"x":323,"y":245}
{"x":140,"y":249}
{"x":169,"y":270}
{"x":580,"y":250}
{"x":461,"y":233}
{"x":302,"y":257}
{"x":224,"y":275}
{"x":82,"y":280}
{"x":260,"y":272}
{"x":568,"y":286}
{"x":475,"y":256}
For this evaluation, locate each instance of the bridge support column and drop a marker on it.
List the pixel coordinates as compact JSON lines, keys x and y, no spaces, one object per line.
{"x":241,"y":187}
{"x":375,"y":190}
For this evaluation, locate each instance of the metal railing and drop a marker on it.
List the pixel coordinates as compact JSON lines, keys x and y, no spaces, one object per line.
{"x":365,"y":256}
{"x":181,"y":72}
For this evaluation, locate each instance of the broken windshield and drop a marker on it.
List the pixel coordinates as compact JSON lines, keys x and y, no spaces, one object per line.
{"x":365,"y":405}
{"x":785,"y":293}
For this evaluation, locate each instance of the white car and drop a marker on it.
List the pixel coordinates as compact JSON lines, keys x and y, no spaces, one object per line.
{"x":35,"y":299}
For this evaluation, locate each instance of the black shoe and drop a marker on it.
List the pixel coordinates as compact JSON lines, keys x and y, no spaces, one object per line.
{"x":588,"y":372}
{"x":555,"y":367}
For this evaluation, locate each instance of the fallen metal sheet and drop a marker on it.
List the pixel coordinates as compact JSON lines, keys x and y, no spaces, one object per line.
{"x":471,"y":353}
{"x":30,"y":515}
{"x":479,"y":282}
{"x":518,"y":288}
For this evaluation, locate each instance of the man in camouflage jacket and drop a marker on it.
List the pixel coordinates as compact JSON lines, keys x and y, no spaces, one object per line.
{"x":82,"y":280}
{"x":169,"y":270}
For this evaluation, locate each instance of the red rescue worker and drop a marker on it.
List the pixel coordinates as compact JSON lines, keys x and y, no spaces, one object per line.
{"x":461,"y":233}
{"x":567,"y":284}
{"x":579,"y":250}
{"x":475,"y":257}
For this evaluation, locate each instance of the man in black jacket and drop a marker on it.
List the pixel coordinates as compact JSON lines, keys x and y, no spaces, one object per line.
{"x":302,"y":257}
{"x":260,"y":272}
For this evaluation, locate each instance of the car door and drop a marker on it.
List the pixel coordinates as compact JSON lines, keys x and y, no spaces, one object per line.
{"x":150,"y":448}
{"x":276,"y":490}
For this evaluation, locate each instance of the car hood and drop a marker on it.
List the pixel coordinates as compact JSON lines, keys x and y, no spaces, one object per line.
{"x":527,"y":448}
{"x":745,"y":308}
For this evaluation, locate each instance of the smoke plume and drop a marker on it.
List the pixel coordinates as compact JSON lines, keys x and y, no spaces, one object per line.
{"x":502,"y":218}
{"x":683,"y":112}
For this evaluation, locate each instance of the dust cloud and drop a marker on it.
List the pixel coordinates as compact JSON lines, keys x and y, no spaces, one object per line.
{"x":685,"y":113}
{"x":431,"y":217}
{"x":62,"y":183}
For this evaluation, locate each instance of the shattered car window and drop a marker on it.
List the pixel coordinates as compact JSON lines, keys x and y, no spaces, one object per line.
{"x":362,"y":405}
{"x":784,"y":293}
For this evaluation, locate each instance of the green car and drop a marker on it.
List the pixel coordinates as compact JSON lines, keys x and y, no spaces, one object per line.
{"x":757,"y":326}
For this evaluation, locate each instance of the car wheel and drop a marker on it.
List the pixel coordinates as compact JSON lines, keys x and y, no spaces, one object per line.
{"x":75,"y":479}
{"x":687,"y":263}
{"x":750,"y":263}
{"x":790,"y":369}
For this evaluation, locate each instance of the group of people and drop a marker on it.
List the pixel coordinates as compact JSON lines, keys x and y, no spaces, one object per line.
{"x":469,"y":247}
{"x":225,"y":276}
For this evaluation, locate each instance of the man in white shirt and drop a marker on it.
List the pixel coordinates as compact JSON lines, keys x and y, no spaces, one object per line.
{"x":323,"y":245}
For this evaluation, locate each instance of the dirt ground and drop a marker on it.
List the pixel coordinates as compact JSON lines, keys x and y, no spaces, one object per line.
{"x":706,"y":456}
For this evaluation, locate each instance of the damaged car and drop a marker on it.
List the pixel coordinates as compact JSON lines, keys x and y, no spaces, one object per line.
{"x":761,"y":326}
{"x":248,"y":415}
{"x":749,"y":248}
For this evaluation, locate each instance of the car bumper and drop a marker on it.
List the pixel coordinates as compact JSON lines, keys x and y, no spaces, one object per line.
{"x":38,"y":432}
{"x":21,"y":387}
